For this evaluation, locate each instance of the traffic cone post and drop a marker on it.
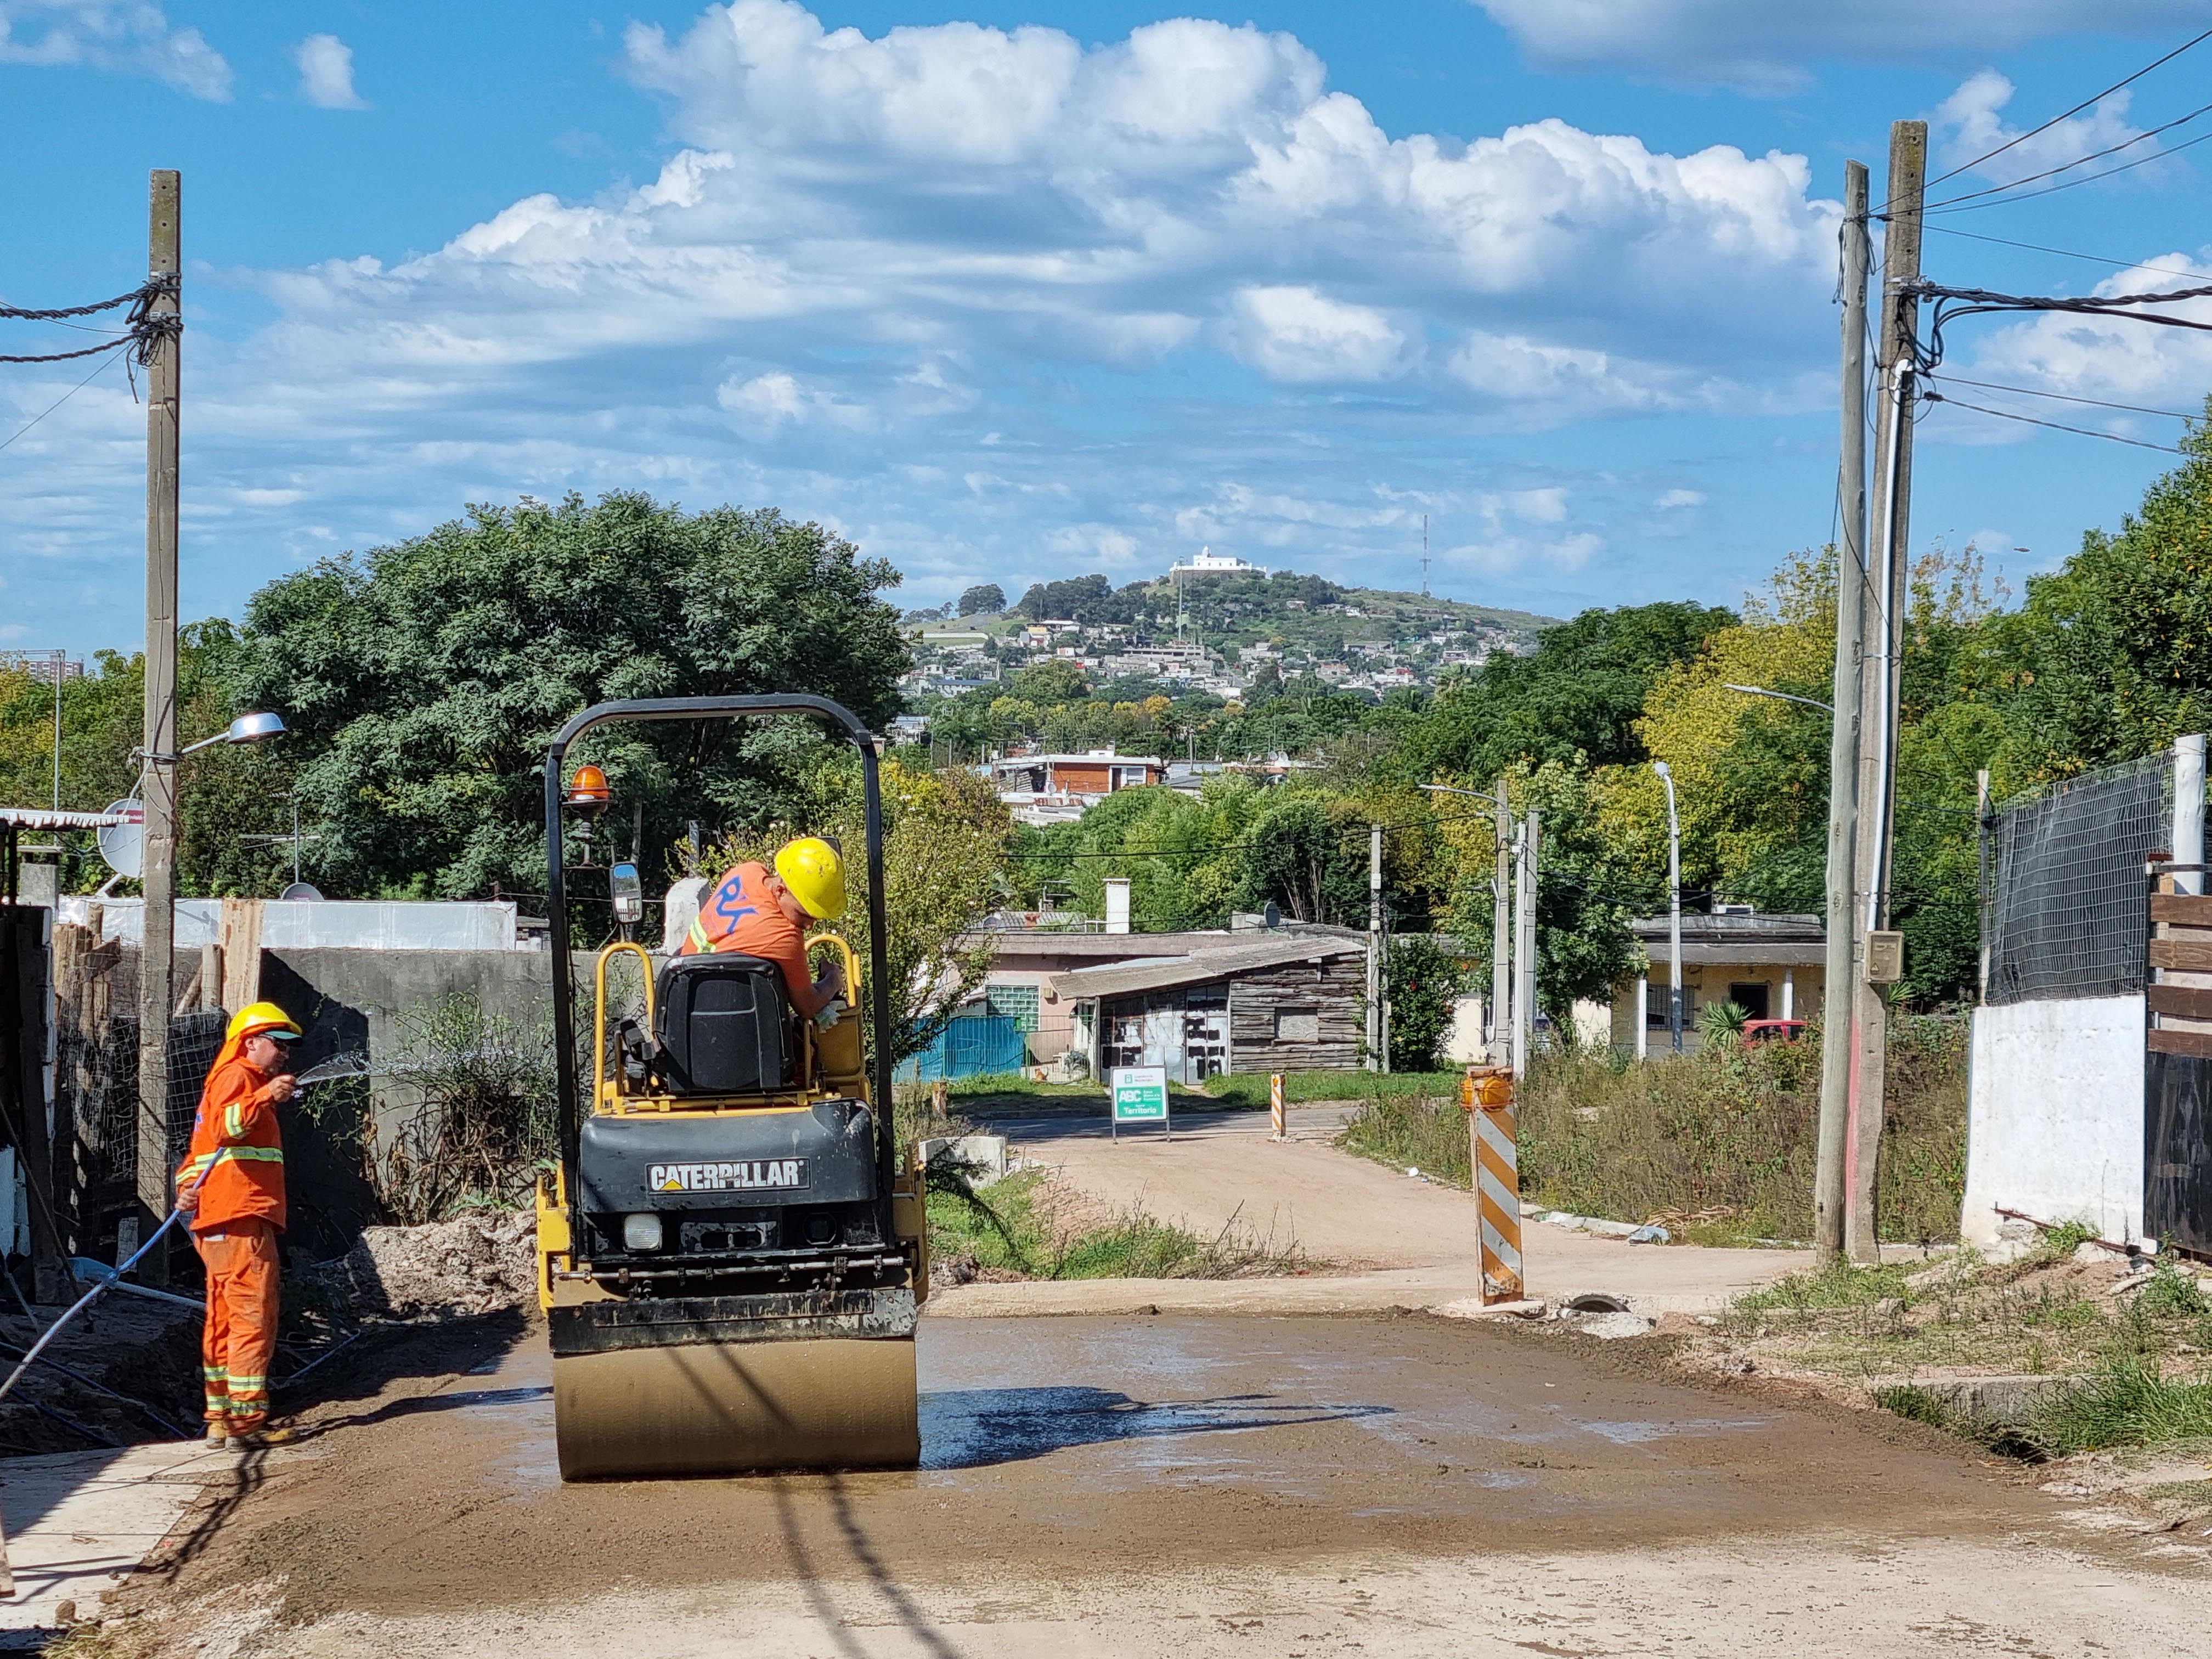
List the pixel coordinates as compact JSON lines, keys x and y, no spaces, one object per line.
{"x":1487,"y":1096}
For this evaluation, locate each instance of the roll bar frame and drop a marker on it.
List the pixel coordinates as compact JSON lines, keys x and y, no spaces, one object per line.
{"x":830,"y":714}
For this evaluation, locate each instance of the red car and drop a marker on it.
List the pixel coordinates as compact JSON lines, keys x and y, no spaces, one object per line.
{"x":1774,"y":1030}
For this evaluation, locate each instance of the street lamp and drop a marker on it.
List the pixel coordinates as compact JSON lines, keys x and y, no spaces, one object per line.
{"x":1786,"y":696}
{"x":1674,"y":908}
{"x":246,"y":728}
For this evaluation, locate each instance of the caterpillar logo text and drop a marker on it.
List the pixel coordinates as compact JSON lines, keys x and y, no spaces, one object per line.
{"x":756,"y":1175}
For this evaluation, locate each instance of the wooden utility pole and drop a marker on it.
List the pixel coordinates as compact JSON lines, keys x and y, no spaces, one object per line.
{"x":156,"y":964}
{"x":1836,"y":1025}
{"x":1883,"y":632}
{"x":1501,"y":943}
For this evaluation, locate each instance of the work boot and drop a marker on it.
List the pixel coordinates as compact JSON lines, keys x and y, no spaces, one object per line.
{"x":260,"y":1439}
{"x":218,"y":1436}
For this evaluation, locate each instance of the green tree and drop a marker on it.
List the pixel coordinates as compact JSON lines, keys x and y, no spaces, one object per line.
{"x":984,"y":597}
{"x":422,"y":681}
{"x":1425,"y":982}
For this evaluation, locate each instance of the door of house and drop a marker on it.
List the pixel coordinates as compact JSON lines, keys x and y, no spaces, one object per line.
{"x":2178,"y":1072}
{"x":1751,"y":999}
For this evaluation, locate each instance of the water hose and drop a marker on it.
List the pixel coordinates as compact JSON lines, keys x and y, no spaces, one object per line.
{"x":83,"y":1303}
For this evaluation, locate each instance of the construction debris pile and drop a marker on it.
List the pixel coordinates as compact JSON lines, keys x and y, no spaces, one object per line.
{"x":482,"y":1262}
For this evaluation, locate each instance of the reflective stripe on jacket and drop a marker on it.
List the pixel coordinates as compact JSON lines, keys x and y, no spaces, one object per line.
{"x":237,"y":1155}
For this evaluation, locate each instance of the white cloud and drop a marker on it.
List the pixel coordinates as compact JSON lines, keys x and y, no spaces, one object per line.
{"x":126,"y":37}
{"x":1672,"y":499}
{"x":326,"y":73}
{"x":1296,"y":334}
{"x":1766,"y":46}
{"x":2085,"y":356}
{"x":962,"y":289}
{"x":1970,"y":125}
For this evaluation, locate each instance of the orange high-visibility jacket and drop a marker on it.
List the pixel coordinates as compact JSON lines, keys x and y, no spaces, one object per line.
{"x":740,"y":917}
{"x":236,"y":1146}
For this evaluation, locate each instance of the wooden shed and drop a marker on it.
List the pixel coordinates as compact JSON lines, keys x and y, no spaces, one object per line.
{"x":1284,"y":1002}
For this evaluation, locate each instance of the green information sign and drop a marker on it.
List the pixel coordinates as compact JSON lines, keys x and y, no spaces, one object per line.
{"x":1140,"y":1094}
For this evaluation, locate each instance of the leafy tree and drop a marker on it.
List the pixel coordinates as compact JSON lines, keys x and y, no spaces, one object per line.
{"x":1579,"y":694}
{"x":983,"y":597}
{"x":1051,"y":680}
{"x":1425,"y":982}
{"x":422,"y":681}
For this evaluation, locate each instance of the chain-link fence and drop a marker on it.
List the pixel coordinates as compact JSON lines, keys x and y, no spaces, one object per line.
{"x":2063,"y":916}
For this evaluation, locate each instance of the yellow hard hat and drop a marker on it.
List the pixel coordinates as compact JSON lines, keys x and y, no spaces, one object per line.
{"x":809,"y":866}
{"x":262,"y":1020}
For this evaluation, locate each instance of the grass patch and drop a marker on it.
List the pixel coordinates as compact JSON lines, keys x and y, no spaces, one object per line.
{"x":1800,"y":1297}
{"x":2128,"y":1403}
{"x":1413,"y":1132}
{"x":1021,"y":1227}
{"x":2182,"y":1492}
{"x":1250,"y":1088}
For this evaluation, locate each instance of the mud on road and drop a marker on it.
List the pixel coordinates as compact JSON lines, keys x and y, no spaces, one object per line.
{"x":1146,"y":1484}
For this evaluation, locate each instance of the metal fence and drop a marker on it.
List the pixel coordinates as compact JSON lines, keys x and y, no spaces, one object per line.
{"x":2063,"y":915}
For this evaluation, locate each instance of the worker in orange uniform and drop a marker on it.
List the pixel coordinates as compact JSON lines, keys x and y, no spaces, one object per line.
{"x":756,"y":911}
{"x":232,"y":1189}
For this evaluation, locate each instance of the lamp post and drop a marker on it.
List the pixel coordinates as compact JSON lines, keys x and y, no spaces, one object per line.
{"x":156,"y":976}
{"x":1674,"y":909}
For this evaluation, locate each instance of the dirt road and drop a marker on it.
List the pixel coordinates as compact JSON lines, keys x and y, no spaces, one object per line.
{"x":1221,"y":1170}
{"x":1143,"y":1486}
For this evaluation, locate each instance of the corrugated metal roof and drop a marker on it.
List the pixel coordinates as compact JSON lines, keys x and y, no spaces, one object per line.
{"x":45,"y":817}
{"x":1126,"y":979}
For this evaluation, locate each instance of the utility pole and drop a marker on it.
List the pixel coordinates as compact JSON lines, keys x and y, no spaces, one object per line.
{"x":1673,"y":911}
{"x":1524,"y":940}
{"x":156,"y":962}
{"x":1425,"y":556}
{"x":1501,"y":943}
{"x":1836,"y":1023}
{"x":1890,"y":523}
{"x":1374,"y":947}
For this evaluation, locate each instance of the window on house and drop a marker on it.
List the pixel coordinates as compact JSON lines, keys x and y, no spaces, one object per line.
{"x":1298,"y":1024}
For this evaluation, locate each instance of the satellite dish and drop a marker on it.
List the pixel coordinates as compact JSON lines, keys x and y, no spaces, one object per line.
{"x":123,"y":846}
{"x":301,"y":890}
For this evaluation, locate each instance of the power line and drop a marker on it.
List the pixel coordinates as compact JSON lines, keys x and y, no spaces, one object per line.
{"x":142,"y":330}
{"x":2065,"y":115}
{"x":2089,"y":178}
{"x":104,"y":366}
{"x":2065,"y":253}
{"x":2094,"y":154}
{"x":2098,"y":403}
{"x":2080,"y":431}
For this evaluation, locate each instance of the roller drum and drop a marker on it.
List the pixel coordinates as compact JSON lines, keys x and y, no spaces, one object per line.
{"x":737,"y":1407}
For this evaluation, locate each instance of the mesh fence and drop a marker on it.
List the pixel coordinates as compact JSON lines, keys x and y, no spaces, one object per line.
{"x":2065,"y":914}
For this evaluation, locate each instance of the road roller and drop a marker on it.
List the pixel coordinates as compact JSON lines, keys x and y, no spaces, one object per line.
{"x":730,"y":1254}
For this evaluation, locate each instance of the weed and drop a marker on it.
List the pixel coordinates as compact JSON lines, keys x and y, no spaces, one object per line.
{"x":1250,"y":1088}
{"x":1015,"y":1225}
{"x":1796,"y":1298}
{"x":2182,"y":1492}
{"x":1911,"y":1400}
{"x":2127,"y":1403}
{"x":2172,"y":1294}
{"x":1413,"y":1132}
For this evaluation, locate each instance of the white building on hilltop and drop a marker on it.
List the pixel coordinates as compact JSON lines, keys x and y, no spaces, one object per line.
{"x":1208,"y":563}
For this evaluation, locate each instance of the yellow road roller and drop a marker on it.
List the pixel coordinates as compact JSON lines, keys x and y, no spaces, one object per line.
{"x":730,"y":1256}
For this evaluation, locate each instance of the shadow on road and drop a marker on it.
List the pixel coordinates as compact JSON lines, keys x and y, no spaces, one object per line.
{"x":975,"y":1428}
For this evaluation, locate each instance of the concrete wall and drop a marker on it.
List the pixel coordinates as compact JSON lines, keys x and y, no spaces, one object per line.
{"x":2055,"y":1116}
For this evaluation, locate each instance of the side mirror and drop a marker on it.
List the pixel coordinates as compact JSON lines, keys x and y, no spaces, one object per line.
{"x":628,"y":893}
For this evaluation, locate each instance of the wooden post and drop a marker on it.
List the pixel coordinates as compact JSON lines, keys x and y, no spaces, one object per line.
{"x":1492,"y":1126}
{"x":1890,"y":524}
{"x":1836,"y":1022}
{"x":241,"y":953}
{"x":156,"y":968}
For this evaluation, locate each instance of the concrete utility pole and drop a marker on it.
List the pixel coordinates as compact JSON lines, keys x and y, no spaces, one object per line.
{"x":1375,"y":947}
{"x":1524,"y":940}
{"x":1828,"y":1205}
{"x":1674,"y":910}
{"x":156,"y":963}
{"x":1501,"y":943}
{"x":1883,"y":632}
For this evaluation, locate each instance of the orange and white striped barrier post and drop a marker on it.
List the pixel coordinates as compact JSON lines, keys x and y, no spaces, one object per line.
{"x":1275,"y":1104}
{"x":1487,"y":1096}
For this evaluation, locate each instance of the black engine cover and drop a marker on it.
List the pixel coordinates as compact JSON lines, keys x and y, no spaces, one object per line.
{"x":664,"y":1161}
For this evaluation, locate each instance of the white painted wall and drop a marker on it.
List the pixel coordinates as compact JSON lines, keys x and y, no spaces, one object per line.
{"x":1463,"y":1044}
{"x":2055,"y":1116}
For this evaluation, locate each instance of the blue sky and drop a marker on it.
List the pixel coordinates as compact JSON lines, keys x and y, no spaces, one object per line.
{"x":1020,"y":290}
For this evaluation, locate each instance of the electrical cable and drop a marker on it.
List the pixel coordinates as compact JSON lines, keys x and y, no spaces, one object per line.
{"x":2064,"y":253}
{"x":2094,"y":154}
{"x":2061,"y":397}
{"x":2091,"y":179}
{"x":2065,"y":115}
{"x":2080,"y":431}
{"x":104,"y":366}
{"x":144,"y":329}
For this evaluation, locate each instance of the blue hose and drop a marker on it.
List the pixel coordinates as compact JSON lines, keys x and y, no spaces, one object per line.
{"x":82,"y":1304}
